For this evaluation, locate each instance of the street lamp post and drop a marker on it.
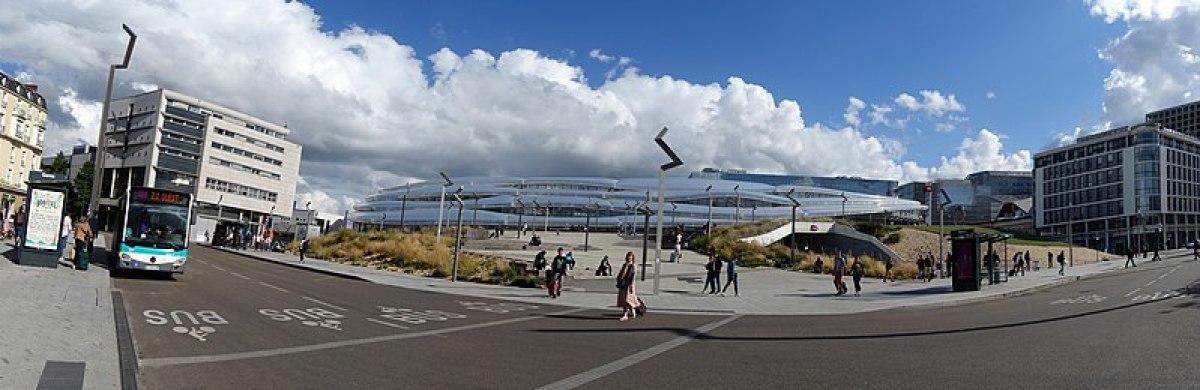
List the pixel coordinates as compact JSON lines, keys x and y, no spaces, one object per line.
{"x":458,"y":236}
{"x":844,"y":199}
{"x":546,"y":227}
{"x":792,"y":238}
{"x":753,"y":212}
{"x":645,"y":210}
{"x":1070,"y":235}
{"x":475,"y":211}
{"x":102,"y":138}
{"x":737,"y":204}
{"x":520,"y":217}
{"x":662,"y":178}
{"x":674,"y":207}
{"x":308,"y":218}
{"x":403,"y":207}
{"x":587,"y":226}
{"x":437,"y":239}
{"x":708,"y":227}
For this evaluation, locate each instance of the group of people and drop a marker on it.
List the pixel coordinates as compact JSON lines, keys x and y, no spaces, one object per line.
{"x":556,"y":269}
{"x":79,"y":234}
{"x":712,"y":280}
{"x":856,"y":272}
{"x":927,"y":267}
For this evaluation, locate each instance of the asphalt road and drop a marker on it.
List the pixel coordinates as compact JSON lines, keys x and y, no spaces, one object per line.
{"x":236,"y":322}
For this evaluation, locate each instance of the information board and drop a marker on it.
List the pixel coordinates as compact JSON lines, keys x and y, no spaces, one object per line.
{"x":45,"y":219}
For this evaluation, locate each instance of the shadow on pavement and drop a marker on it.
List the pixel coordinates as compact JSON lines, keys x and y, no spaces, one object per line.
{"x":11,"y":255}
{"x":704,"y":336}
{"x":923,"y":291}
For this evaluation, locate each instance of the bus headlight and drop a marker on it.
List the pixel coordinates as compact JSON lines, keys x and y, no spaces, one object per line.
{"x":126,"y":257}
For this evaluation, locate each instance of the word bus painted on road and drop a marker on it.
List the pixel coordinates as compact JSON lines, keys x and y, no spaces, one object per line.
{"x":309,"y":317}
{"x":192,"y":324}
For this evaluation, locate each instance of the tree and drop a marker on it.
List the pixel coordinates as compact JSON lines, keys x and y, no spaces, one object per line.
{"x":83,"y":186}
{"x":60,"y":166}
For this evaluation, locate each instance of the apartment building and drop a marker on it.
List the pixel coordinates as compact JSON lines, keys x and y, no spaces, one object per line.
{"x":22,"y":134}
{"x":238,"y":167}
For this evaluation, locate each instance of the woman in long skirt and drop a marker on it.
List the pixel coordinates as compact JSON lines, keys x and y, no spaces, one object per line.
{"x":627,"y":298}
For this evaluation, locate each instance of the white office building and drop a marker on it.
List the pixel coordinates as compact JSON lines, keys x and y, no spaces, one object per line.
{"x":238,"y":167}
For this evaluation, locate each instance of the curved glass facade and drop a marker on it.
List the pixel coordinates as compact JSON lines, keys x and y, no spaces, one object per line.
{"x":603,"y":203}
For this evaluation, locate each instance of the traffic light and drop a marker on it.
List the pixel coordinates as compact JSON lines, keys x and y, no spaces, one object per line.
{"x":928,"y":186}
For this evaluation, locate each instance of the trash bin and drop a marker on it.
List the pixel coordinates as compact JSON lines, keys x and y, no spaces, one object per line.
{"x":82,"y":258}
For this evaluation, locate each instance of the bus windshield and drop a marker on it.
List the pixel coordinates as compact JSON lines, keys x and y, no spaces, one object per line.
{"x":161,"y":226}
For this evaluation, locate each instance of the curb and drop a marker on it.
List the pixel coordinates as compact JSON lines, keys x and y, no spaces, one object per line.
{"x":296,"y":266}
{"x":687,"y":311}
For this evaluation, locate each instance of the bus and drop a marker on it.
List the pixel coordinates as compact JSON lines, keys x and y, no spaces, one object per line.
{"x":152,"y":231}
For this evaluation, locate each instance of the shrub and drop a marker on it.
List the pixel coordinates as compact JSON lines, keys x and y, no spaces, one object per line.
{"x":893,"y":238}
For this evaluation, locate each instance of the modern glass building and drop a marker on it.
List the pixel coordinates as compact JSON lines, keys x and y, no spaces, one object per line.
{"x":840,"y":183}
{"x":1130,"y":187}
{"x":609,"y":204}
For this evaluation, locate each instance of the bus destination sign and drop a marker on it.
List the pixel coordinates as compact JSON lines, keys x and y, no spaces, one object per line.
{"x":145,"y":195}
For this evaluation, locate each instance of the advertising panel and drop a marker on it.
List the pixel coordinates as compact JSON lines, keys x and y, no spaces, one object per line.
{"x":45,"y":219}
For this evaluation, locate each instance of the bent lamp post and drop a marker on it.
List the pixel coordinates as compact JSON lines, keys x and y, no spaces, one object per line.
{"x":662,"y":176}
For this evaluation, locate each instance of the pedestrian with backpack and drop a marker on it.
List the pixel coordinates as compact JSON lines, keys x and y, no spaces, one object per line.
{"x":731,"y":277}
{"x":839,"y":269}
{"x":558,"y":268}
{"x":856,"y":272}
{"x":712,"y":273}
{"x":627,"y":298}
{"x":303,"y":249}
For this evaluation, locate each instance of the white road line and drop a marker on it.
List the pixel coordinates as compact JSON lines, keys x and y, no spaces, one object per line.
{"x":273,"y":286}
{"x":1134,"y":291}
{"x":181,"y":360}
{"x":387,"y":323}
{"x":240,"y":275}
{"x":320,"y":302}
{"x":218,"y":267}
{"x":1151,"y":283}
{"x":586,"y":377}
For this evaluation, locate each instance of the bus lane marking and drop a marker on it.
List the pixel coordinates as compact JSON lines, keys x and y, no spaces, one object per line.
{"x":240,"y":275}
{"x":320,"y":302}
{"x":385,"y":323}
{"x":314,"y":317}
{"x":277,"y":288}
{"x":198,"y":325}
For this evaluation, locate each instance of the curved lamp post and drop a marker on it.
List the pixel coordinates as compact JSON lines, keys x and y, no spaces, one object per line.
{"x":792,"y":239}
{"x":442,"y":207}
{"x":102,"y":139}
{"x":458,"y":236}
{"x":708,"y":227}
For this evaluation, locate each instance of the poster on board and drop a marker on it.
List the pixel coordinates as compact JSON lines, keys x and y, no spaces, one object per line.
{"x":45,"y":219}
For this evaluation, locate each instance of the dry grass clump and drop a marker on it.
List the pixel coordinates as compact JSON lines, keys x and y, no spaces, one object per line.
{"x":412,"y":253}
{"x":872,"y":268}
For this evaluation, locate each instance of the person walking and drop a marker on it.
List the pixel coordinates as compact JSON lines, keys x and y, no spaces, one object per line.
{"x":839,"y":269}
{"x":930,"y":263}
{"x":856,"y":272}
{"x":1129,"y":259}
{"x":83,"y":239}
{"x":819,"y":266}
{"x":1062,"y":263}
{"x":303,"y":249}
{"x":19,"y":226}
{"x":1196,"y":249}
{"x":558,"y":266}
{"x":68,"y":226}
{"x":1028,"y":261}
{"x":1049,"y":260}
{"x":887,"y":270}
{"x":713,"y":274}
{"x":1019,"y":263}
{"x":731,"y":277}
{"x":539,"y":261}
{"x":627,"y":298}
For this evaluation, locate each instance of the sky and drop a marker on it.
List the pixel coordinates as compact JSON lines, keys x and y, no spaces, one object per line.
{"x":381,"y":93}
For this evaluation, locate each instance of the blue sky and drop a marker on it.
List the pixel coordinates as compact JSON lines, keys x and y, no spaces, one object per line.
{"x":1039,"y":58}
{"x":517,"y":107}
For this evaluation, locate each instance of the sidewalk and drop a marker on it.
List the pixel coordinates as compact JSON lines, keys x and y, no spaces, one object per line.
{"x":763,"y":291}
{"x":56,"y":315}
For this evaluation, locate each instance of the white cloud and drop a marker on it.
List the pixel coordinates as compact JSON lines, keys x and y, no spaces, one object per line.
{"x":991,"y":95}
{"x":852,"y":110}
{"x":1155,"y":64}
{"x":984,"y":152}
{"x":369,"y":115}
{"x":600,"y":56}
{"x":932,"y":103}
{"x":1140,"y":10}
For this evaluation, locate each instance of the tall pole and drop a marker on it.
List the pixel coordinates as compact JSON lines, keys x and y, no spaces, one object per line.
{"x":475,"y":212}
{"x":546,"y":227}
{"x":942,"y":235}
{"x":708,"y":227}
{"x":587,"y":227}
{"x":441,"y":207}
{"x":102,"y":138}
{"x":458,"y":236}
{"x":792,"y":238}
{"x":403,"y":208}
{"x":1070,"y":237}
{"x":520,"y":218}
{"x":645,"y":237}
{"x":674,"y":207}
{"x":737,"y":205}
{"x":844,"y":199}
{"x":662,"y":177}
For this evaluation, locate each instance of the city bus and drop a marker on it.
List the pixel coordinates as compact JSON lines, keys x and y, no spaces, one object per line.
{"x":152,"y":231}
